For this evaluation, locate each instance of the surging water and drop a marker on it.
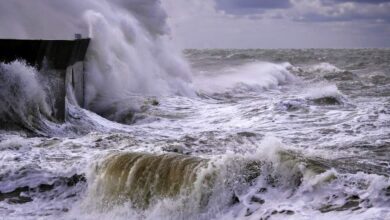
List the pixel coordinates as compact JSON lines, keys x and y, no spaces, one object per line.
{"x":307,"y":138}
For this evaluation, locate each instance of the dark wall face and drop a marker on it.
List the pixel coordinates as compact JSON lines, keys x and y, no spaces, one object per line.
{"x":53,"y":59}
{"x":59,"y":54}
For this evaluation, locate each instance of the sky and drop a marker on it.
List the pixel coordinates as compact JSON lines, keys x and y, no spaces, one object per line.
{"x":279,"y":23}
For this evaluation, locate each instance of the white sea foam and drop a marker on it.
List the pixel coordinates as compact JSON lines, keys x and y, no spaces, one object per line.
{"x":324,"y":68}
{"x":252,"y":76}
{"x":322,"y":90}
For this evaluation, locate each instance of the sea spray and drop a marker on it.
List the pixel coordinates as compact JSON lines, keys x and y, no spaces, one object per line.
{"x":23,"y":101}
{"x":130,"y":53}
{"x":134,"y":61}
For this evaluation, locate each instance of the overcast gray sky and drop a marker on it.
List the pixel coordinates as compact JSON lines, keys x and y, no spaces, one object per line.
{"x":279,"y":23}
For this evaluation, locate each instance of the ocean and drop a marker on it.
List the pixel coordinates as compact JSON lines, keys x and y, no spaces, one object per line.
{"x":257,"y":134}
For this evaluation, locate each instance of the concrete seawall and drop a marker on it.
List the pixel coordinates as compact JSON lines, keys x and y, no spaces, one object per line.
{"x":62,"y":61}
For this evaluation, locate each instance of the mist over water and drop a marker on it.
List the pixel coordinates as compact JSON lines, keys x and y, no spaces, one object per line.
{"x":215,"y":134}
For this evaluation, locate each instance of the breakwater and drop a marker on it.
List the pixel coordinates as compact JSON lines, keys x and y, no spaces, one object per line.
{"x":61,"y":62}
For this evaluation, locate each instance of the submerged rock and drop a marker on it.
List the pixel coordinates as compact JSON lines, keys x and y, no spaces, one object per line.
{"x":329,"y":100}
{"x":181,"y":149}
{"x":23,"y":194}
{"x":256,"y":199}
{"x":351,"y":203}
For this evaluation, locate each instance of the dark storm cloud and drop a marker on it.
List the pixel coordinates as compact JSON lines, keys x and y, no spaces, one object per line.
{"x":250,"y":6}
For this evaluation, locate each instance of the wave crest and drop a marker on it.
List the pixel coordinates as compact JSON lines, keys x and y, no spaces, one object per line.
{"x":23,"y":101}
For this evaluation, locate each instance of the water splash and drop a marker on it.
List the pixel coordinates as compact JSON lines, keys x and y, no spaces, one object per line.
{"x":130,"y":53}
{"x":23,"y":101}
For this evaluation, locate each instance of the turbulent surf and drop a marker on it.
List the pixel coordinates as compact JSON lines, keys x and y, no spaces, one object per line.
{"x":212,"y":134}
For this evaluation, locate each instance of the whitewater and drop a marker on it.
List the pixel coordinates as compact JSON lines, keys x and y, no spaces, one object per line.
{"x":198,"y":134}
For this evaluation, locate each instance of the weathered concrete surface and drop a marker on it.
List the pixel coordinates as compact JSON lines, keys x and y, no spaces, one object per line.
{"x":62,"y":61}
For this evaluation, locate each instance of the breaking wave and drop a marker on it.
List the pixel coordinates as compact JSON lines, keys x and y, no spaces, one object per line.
{"x":23,"y":101}
{"x":324,"y":94}
{"x":248,"y":77}
{"x":324,"y":68}
{"x":272,"y":181}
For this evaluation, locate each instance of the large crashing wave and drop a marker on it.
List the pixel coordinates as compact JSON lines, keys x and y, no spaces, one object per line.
{"x":23,"y":101}
{"x":130,"y":53}
{"x":272,"y":182}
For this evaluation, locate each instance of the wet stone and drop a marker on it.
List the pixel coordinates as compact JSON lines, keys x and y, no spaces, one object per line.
{"x":155,"y":102}
{"x":256,"y":199}
{"x":327,"y":101}
{"x":354,"y":197}
{"x":287,"y":212}
{"x":357,"y":208}
{"x":20,"y":200}
{"x":177,"y":149}
{"x":45,"y":187}
{"x":290,"y":212}
{"x":249,"y":212}
{"x":387,"y":191}
{"x":246,"y":134}
{"x":349,"y":205}
{"x":252,"y":171}
{"x":16,"y":196}
{"x":234,"y":200}
{"x":290,"y":107}
{"x":75,"y":179}
{"x":271,"y":181}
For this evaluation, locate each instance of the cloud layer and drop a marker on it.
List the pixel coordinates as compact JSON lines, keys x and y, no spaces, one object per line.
{"x":282,"y":23}
{"x":309,"y":10}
